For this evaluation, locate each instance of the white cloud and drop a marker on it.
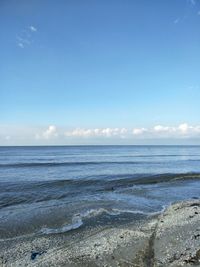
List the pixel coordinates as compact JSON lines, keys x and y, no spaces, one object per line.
{"x":184,"y":128}
{"x":180,"y":131}
{"x":139,"y":131}
{"x":164,"y":129}
{"x":32,"y":28}
{"x":57,"y":135}
{"x":25,"y":37}
{"x":80,"y":132}
{"x":97,"y":132}
{"x":176,"y":21}
{"x":49,"y":133}
{"x":23,"y":40}
{"x":158,"y":131}
{"x":188,"y":130}
{"x":21,"y":45}
{"x":160,"y":128}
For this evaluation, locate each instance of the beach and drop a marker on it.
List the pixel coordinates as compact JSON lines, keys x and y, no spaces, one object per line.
{"x":169,"y":239}
{"x":100,"y":133}
{"x":99,"y":206}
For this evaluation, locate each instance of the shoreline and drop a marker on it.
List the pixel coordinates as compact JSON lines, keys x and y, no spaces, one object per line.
{"x":169,"y":239}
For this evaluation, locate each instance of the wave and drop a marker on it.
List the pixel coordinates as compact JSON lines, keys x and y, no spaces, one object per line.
{"x":162,"y":155}
{"x":77,"y":219}
{"x":27,"y":192}
{"x":101,"y":180}
{"x":127,"y":179}
{"x":56,"y":164}
{"x":149,"y":214}
{"x":78,"y":163}
{"x":76,"y":223}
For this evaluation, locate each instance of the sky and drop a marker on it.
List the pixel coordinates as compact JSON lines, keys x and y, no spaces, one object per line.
{"x":99,"y":72}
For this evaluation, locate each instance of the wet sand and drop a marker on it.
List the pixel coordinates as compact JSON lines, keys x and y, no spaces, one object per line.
{"x":170,"y":239}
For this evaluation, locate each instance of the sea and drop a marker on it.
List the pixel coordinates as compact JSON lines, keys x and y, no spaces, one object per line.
{"x":51,"y":190}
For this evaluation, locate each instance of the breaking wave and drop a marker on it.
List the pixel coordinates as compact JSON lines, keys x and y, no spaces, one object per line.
{"x":78,"y":219}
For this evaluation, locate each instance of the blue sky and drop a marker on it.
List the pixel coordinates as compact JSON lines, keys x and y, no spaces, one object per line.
{"x":120,"y":67}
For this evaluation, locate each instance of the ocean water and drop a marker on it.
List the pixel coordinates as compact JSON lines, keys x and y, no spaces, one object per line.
{"x":58,"y":189}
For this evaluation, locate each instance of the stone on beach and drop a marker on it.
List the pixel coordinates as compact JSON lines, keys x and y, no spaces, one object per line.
{"x":171,"y":239}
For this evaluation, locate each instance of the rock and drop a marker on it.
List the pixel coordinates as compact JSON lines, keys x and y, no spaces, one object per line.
{"x":35,"y":254}
{"x":175,"y":243}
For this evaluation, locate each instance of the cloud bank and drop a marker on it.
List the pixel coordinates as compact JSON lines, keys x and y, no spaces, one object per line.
{"x":60,"y":135}
{"x":183,"y":130}
{"x":98,"y":132}
{"x":180,"y":131}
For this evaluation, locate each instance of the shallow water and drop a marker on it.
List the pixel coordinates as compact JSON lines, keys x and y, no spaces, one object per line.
{"x":45,"y":190}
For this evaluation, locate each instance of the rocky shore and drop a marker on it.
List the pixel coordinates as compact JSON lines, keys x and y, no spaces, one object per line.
{"x":171,"y":239}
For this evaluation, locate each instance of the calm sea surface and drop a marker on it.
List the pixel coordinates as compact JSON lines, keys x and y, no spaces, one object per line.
{"x":47,"y":190}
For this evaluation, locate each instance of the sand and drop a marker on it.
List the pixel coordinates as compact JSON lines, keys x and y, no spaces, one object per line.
{"x":170,"y":239}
